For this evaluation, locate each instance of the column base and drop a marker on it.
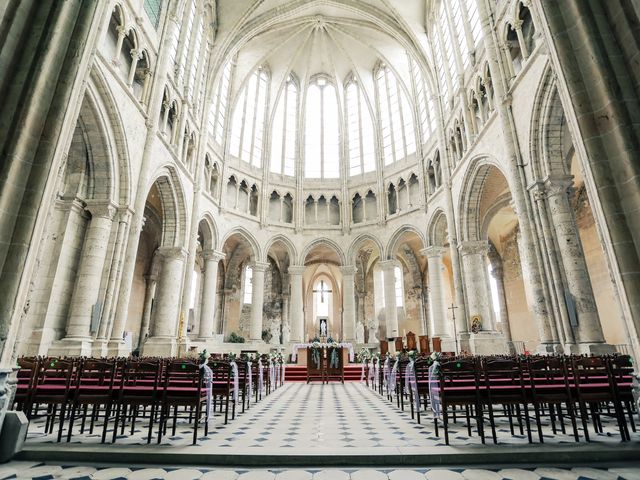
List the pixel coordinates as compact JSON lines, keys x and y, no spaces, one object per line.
{"x":159,"y":347}
{"x":72,"y":347}
{"x":590,"y":348}
{"x":488,"y":343}
{"x":117,"y":348}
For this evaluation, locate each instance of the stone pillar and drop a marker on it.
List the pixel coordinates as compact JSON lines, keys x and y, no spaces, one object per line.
{"x":348,"y":303}
{"x":257,"y":300}
{"x":151,"y":280}
{"x":296,"y":303}
{"x":164,"y":321}
{"x":390,"y":308}
{"x":86,"y":291}
{"x":498,"y":273}
{"x":474,"y":254}
{"x":439,"y":327}
{"x":487,"y":341}
{"x":589,"y":330}
{"x":209,"y":290}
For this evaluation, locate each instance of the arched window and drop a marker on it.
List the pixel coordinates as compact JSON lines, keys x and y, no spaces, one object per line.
{"x":458,"y":28}
{"x":359,"y":132}
{"x":284,"y":132}
{"x":247,"y":125}
{"x":447,"y":46}
{"x":322,"y":142}
{"x":322,"y":297}
{"x":197,"y":58}
{"x":426,"y":112}
{"x":186,"y":39}
{"x":248,"y":285}
{"x":219,"y":105}
{"x":398,"y":134}
{"x":153,"y":9}
{"x":441,"y":69}
{"x":474,"y":20}
{"x":399,"y":288}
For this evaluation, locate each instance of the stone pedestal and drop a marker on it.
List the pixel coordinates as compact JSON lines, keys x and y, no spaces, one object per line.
{"x":488,"y":343}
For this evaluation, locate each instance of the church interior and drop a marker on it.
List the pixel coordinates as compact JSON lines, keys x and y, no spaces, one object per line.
{"x":295,"y":239}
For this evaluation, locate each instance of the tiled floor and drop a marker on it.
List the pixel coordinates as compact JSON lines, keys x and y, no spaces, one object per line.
{"x":48,"y":471}
{"x":330,"y":417}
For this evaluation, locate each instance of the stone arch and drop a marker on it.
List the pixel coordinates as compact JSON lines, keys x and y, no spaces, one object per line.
{"x":437,"y":229}
{"x":247,"y":236}
{"x":210,"y":235}
{"x":322,"y":242}
{"x":288,"y":244}
{"x":478,"y":171}
{"x":393,"y":243}
{"x":174,"y":211}
{"x":357,"y":243}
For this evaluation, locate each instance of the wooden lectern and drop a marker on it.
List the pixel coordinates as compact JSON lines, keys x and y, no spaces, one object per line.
{"x":399,"y":345}
{"x":411,"y":341}
{"x":437,"y":344}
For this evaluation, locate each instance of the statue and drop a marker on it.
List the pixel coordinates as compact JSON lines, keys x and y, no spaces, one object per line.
{"x":286,"y":333}
{"x":373,"y":331}
{"x":275,"y":333}
{"x":359,"y":333}
{"x":323,"y":327}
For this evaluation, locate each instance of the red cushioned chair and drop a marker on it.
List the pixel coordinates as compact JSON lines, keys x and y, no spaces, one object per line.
{"x":182,"y":388}
{"x":93,"y":387}
{"x":621,"y":371}
{"x":222,"y":386}
{"x":26,"y":377}
{"x":139,"y":388}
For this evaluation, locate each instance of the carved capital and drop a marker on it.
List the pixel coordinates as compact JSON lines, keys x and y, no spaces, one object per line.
{"x":172,"y":252}
{"x":102,"y":210}
{"x":348,"y":270}
{"x":213,"y":255}
{"x":259,"y":266}
{"x":296,"y":269}
{"x":474,"y":247}
{"x":433,"y":251}
{"x":558,"y":186}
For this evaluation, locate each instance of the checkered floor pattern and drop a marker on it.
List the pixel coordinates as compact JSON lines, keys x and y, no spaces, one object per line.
{"x":332,"y":417}
{"x":45,"y":472}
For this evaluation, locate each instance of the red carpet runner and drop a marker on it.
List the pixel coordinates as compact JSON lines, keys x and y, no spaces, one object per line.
{"x":298,"y":373}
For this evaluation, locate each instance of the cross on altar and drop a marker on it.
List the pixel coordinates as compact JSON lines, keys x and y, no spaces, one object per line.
{"x":323,"y":289}
{"x":453,"y":309}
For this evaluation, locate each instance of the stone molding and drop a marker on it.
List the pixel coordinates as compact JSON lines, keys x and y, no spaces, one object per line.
{"x":433,"y":251}
{"x":172,"y":252}
{"x":215,"y":255}
{"x":259,"y":266}
{"x":348,"y":270}
{"x":296,"y":269}
{"x":102,"y":209}
{"x":474,"y":247}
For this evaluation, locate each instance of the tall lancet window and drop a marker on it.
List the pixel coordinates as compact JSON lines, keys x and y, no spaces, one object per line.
{"x":361,"y":149}
{"x":398,"y":133}
{"x":322,"y":296}
{"x":285,"y":122}
{"x":322,"y":142}
{"x":219,"y":105}
{"x":248,"y":285}
{"x":247,"y":125}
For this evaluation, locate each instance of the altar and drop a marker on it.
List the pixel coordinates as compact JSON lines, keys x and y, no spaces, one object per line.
{"x":300,"y":358}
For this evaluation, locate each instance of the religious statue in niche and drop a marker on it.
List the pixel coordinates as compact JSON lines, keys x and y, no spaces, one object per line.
{"x":476,"y":323}
{"x":323,"y":327}
{"x":359,"y":332}
{"x":373,"y":331}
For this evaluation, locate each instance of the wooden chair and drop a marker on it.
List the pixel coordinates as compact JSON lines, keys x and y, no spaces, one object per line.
{"x":334,"y":364}
{"x":182,"y":388}
{"x":222,"y":386}
{"x":459,"y":385}
{"x":26,"y":378}
{"x":549,"y":385}
{"x":315,"y":364}
{"x":52,"y":387}
{"x":139,"y":387}
{"x":94,"y":387}
{"x":504,"y":385}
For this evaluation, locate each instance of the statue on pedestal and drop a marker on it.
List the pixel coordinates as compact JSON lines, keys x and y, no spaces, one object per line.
{"x":359,"y":333}
{"x":373,"y":331}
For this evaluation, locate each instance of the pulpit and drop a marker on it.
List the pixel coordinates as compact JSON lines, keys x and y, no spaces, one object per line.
{"x":411,"y":341}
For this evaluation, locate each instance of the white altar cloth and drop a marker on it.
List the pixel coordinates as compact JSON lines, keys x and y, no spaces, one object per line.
{"x":347,"y":345}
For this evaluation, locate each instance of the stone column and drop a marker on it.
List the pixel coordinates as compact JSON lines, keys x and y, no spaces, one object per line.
{"x":474,"y":255}
{"x":498,"y":273}
{"x":589,"y":329}
{"x":390,"y":308}
{"x":349,"y":303}
{"x":164,"y":320}
{"x":209,"y":290}
{"x":257,"y":300}
{"x":296,"y":302}
{"x":439,"y":327}
{"x":151,"y":280}
{"x":86,"y":292}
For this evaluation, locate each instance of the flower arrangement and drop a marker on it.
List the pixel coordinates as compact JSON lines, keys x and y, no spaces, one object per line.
{"x":203,"y":357}
{"x":231,"y":357}
{"x":363,"y":355}
{"x":412,"y":355}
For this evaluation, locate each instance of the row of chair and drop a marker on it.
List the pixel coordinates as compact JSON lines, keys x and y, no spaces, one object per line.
{"x":582,"y":388}
{"x":124,"y":390}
